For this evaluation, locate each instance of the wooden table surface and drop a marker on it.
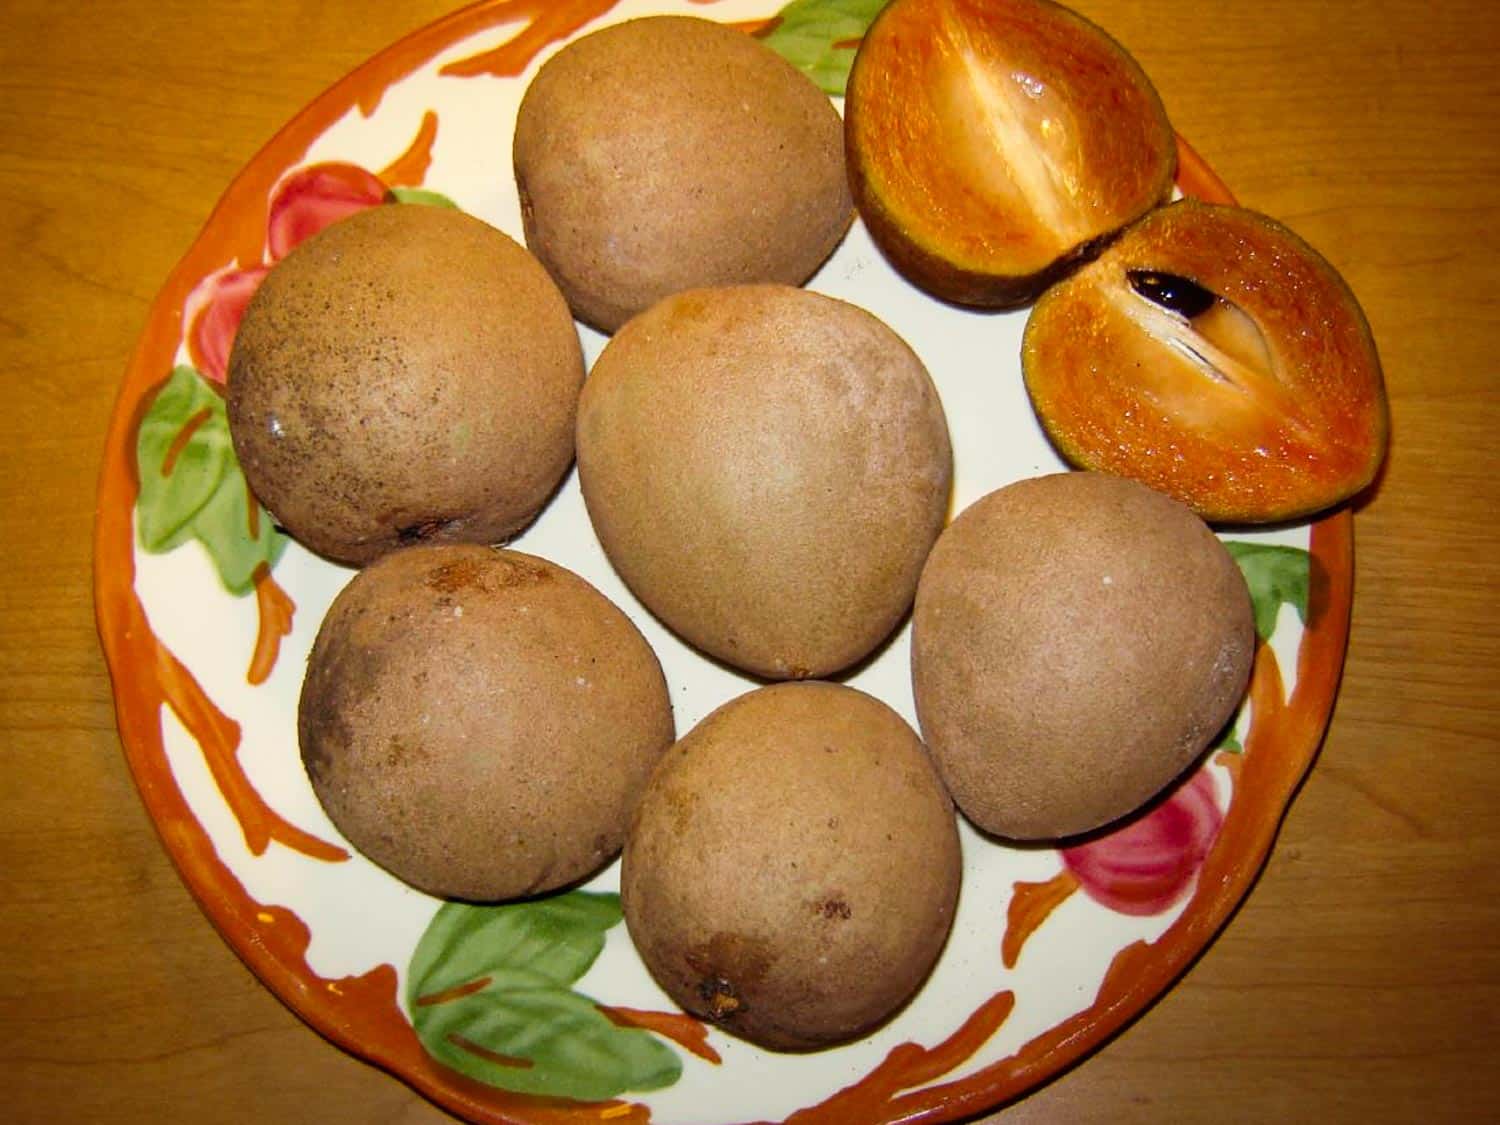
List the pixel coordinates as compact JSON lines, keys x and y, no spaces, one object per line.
{"x":1360,"y":980}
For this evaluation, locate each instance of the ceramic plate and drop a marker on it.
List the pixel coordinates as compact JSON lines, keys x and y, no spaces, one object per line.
{"x":207,"y":614}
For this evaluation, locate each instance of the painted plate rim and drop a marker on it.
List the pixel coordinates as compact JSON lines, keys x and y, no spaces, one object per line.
{"x":146,"y":678}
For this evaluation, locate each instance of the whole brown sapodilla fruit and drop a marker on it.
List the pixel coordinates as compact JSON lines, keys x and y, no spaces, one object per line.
{"x":669,"y":153}
{"x":409,"y":374}
{"x":1077,"y":641}
{"x":792,"y":870}
{"x":767,"y":469}
{"x":480,"y":722}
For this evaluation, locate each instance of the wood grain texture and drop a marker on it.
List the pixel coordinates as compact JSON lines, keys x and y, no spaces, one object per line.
{"x":1361,"y":979}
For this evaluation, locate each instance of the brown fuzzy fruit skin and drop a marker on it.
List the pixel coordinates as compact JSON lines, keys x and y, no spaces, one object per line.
{"x":993,"y":144}
{"x":1296,"y":420}
{"x":408,"y":374}
{"x":672,"y":152}
{"x":1078,"y":640}
{"x":767,"y":469}
{"x":480,"y":722}
{"x":792,"y":871}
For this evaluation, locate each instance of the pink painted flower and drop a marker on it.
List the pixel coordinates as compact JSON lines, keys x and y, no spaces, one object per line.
{"x":317,"y":196}
{"x":302,"y":204}
{"x":1148,"y":864}
{"x":211,"y":334}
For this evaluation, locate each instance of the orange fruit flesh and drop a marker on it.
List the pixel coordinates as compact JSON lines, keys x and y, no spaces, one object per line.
{"x":1002,"y":136}
{"x":1268,"y":406}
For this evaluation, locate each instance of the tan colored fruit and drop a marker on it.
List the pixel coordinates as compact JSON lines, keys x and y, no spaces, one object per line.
{"x":671,"y":152}
{"x":791,"y":872}
{"x":410,"y":374}
{"x":1078,"y":640}
{"x":993,"y":143}
{"x":479,"y":722}
{"x":1215,"y":356}
{"x":766,"y":468}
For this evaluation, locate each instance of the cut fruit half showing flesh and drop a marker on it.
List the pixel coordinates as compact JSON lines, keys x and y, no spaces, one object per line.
{"x":994,"y":143}
{"x":1213,"y":355}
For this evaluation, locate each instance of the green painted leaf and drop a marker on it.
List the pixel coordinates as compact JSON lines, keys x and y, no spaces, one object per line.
{"x":819,"y":37}
{"x":1229,"y":742}
{"x":423,"y":196}
{"x":1275,"y":575}
{"x":192,"y":487}
{"x":544,"y":1040}
{"x":488,"y":992}
{"x":557,"y":938}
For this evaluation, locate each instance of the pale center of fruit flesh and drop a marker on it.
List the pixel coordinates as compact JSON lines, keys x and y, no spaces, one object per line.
{"x":1019,"y":143}
{"x":1219,"y":341}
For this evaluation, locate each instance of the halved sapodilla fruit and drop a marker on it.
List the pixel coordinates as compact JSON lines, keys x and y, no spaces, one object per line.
{"x":993,"y":143}
{"x":1215,"y":356}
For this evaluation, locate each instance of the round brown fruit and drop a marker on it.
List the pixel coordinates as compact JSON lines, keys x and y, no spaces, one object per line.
{"x":992,"y":143}
{"x":1215,"y":356}
{"x":410,"y":374}
{"x":767,"y":469}
{"x":1078,"y":640}
{"x":792,"y":870}
{"x":480,"y":722}
{"x":671,"y":152}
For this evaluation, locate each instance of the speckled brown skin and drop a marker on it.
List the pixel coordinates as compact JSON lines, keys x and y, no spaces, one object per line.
{"x":480,"y":722}
{"x":792,"y":871}
{"x":1078,"y":640}
{"x":767,"y":469}
{"x":671,"y":152}
{"x":409,"y":374}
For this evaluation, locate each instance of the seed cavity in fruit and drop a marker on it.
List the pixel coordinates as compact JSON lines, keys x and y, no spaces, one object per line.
{"x":1228,"y":339}
{"x":1175,"y":294}
{"x":1211,"y":336}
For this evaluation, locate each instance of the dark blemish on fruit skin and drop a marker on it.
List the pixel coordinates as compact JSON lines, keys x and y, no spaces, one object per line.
{"x":834,"y":907}
{"x":718,"y":996}
{"x":460,"y":574}
{"x":421,"y":532}
{"x":728,"y":968}
{"x":485,"y":573}
{"x":1180,"y":295}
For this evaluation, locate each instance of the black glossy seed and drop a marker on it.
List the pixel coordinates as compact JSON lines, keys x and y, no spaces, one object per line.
{"x":1176,"y":294}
